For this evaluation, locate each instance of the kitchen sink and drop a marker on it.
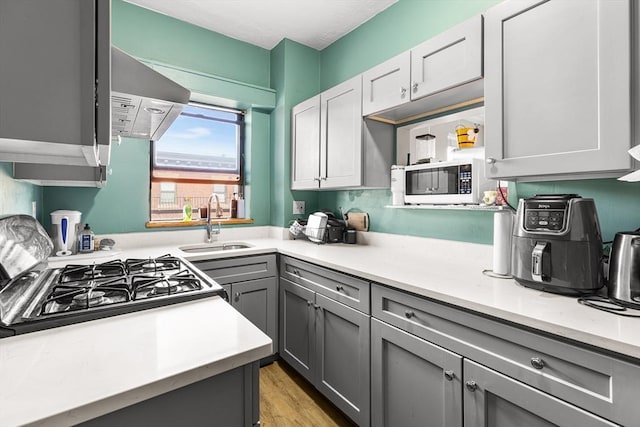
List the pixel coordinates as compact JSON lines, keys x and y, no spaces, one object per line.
{"x":214,"y":247}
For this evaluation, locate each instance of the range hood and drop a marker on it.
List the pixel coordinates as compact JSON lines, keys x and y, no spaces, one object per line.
{"x":144,"y":103}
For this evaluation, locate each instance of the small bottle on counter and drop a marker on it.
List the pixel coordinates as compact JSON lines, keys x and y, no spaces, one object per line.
{"x":234,"y":206}
{"x":85,"y":240}
{"x":186,"y":210}
{"x":240,"y":209}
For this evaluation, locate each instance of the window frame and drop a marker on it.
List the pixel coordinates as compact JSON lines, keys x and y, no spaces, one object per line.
{"x":241,"y":157}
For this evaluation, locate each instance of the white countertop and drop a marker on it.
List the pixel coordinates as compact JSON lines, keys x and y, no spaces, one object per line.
{"x":66,"y":375}
{"x":444,"y":270}
{"x":167,"y":355}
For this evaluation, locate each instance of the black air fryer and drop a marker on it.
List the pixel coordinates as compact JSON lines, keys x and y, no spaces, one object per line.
{"x":557,"y":245}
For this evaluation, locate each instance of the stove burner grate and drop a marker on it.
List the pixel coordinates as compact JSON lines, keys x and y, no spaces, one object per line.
{"x":145,"y":286}
{"x":153,"y":265}
{"x":83,"y":273}
{"x":67,"y":296}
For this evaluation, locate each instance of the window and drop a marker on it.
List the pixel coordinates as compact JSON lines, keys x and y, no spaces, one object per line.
{"x":200,"y":154}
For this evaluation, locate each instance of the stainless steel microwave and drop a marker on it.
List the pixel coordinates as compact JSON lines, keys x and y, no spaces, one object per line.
{"x":452,"y":182}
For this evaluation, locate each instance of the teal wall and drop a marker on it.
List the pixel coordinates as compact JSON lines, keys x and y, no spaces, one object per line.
{"x":295,"y":75}
{"x":202,"y":60}
{"x":210,"y":65}
{"x":159,"y":38}
{"x":398,"y":28}
{"x":16,"y":196}
{"x":406,"y":24}
{"x":122,"y":205}
{"x":617,"y":203}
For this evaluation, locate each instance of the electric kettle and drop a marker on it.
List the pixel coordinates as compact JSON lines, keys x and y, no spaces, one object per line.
{"x":624,"y":269}
{"x":64,"y":229}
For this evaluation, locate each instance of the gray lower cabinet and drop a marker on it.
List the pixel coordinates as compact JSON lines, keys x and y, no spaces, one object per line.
{"x":511,"y":375}
{"x":230,"y":399}
{"x":257,"y":301}
{"x":413,"y":382}
{"x":495,"y":400}
{"x":328,"y":343}
{"x":252,"y":285}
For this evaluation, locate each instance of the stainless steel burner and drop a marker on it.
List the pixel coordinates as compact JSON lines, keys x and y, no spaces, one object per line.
{"x":78,"y":293}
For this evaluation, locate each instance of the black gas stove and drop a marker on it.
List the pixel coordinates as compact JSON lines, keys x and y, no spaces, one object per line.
{"x":47,"y":298}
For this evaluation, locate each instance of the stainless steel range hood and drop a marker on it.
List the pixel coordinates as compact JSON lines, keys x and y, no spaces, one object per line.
{"x":144,"y":103}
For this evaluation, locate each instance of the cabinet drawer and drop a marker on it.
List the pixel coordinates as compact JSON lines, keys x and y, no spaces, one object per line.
{"x":233,"y":270}
{"x":596,"y":382}
{"x":348,"y":290}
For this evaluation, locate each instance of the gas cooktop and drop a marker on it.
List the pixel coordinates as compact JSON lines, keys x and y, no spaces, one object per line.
{"x":42,"y":299}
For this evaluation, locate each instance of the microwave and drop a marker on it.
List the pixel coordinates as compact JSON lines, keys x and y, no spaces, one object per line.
{"x":452,"y":182}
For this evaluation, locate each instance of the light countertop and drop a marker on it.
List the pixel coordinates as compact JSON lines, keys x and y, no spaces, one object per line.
{"x":66,"y":375}
{"x":446,"y":271}
{"x":443,"y":270}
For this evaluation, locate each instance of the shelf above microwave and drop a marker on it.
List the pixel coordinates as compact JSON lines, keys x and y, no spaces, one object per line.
{"x":477,"y":208}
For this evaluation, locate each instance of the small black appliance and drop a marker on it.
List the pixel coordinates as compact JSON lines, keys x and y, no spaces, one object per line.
{"x":557,"y":245}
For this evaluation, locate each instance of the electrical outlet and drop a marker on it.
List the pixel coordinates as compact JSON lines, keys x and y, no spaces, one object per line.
{"x":298,"y":207}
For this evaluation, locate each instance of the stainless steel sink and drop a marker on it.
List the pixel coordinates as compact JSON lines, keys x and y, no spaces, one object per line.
{"x":214,"y":247}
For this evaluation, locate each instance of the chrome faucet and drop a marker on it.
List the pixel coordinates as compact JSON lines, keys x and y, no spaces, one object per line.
{"x":210,"y":230}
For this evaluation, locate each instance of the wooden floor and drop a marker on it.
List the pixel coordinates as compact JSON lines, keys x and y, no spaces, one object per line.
{"x":288,"y":400}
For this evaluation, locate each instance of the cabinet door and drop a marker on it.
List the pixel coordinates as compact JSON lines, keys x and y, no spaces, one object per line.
{"x":449,"y":59}
{"x":297,"y":327}
{"x":257,"y":301}
{"x":557,"y":88}
{"x":241,"y":269}
{"x":342,"y":352}
{"x":495,"y":400}
{"x":413,"y":382}
{"x":305,"y":144}
{"x":341,"y":135}
{"x":47,"y":80}
{"x":386,"y":85}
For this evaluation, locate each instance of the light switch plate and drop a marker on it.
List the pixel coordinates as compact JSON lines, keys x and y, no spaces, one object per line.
{"x":298,"y":207}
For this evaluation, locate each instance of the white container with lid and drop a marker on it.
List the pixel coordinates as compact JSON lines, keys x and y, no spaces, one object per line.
{"x":64,"y":231}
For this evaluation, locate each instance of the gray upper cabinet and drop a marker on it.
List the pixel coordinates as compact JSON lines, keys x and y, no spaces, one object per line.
{"x":557,"y":89}
{"x":340,"y":149}
{"x":413,"y":383}
{"x":443,"y":73}
{"x":451,"y":58}
{"x":495,"y":400}
{"x":55,"y":82}
{"x":386,"y":85}
{"x":305,"y":136}
{"x":341,"y":135}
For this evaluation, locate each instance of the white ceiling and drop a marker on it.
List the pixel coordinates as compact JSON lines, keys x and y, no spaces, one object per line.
{"x":264,"y":23}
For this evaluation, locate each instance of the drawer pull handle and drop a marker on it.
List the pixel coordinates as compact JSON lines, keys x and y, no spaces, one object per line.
{"x":537,"y":363}
{"x":237,"y":295}
{"x":316,"y":306}
{"x":296,"y":272}
{"x":309,"y":303}
{"x":340,"y":288}
{"x":472,"y":385}
{"x":448,"y":375}
{"x":409,"y":314}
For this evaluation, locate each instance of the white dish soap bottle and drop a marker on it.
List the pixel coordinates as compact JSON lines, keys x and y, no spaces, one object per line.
{"x":85,"y":240}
